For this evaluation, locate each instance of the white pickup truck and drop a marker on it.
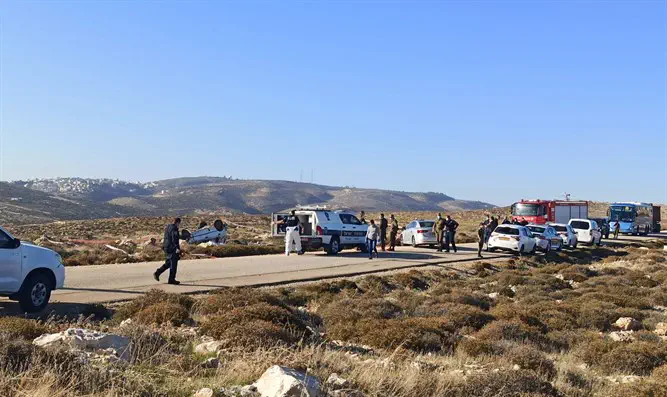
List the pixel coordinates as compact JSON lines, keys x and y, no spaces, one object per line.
{"x":28,"y":273}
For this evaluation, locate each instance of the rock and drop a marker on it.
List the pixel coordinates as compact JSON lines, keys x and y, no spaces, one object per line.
{"x":346,"y":393}
{"x":126,"y":323}
{"x":623,"y":379}
{"x":559,"y":276}
{"x":249,"y":391}
{"x":84,"y":339}
{"x":210,"y":363}
{"x":335,"y":382}
{"x":209,"y":347}
{"x":661,"y":329}
{"x":516,"y":367}
{"x":628,"y":324}
{"x":280,"y":381}
{"x":493,"y":295}
{"x":622,"y":336}
{"x":205,"y":392}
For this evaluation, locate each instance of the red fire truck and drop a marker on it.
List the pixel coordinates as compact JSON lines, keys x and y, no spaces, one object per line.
{"x":543,"y":211}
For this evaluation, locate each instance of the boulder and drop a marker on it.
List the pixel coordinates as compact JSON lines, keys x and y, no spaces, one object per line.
{"x":205,"y":392}
{"x":209,"y":347}
{"x":335,"y":382}
{"x":622,"y":336}
{"x":242,"y":391}
{"x":280,"y":381}
{"x":210,"y":363}
{"x":628,"y":324}
{"x":87,"y":340}
{"x":661,"y":329}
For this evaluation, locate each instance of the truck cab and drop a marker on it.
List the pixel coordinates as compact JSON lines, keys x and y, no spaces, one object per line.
{"x":321,"y":228}
{"x":28,"y":273}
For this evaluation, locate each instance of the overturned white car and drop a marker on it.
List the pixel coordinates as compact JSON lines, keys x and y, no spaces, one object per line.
{"x":217,"y":234}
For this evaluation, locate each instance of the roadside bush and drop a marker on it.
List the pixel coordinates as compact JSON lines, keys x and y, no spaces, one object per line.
{"x":375,"y":285}
{"x":163,"y":313}
{"x":17,"y":327}
{"x":475,"y":347}
{"x":515,"y":331}
{"x":234,"y":250}
{"x":411,"y":280}
{"x":151,"y":298}
{"x":251,"y":334}
{"x":227,"y":299}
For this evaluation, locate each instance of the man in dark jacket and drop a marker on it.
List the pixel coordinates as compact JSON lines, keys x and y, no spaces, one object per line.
{"x":481,"y":237}
{"x":450,"y":233}
{"x":172,"y":250}
{"x":490,"y":228}
{"x":383,"y":231}
{"x":393,"y":233}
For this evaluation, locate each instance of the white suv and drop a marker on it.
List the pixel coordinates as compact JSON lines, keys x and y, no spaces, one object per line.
{"x":28,"y":273}
{"x":321,"y":228}
{"x":587,"y":231}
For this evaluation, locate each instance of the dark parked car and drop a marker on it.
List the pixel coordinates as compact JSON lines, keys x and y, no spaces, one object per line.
{"x":603,"y":224}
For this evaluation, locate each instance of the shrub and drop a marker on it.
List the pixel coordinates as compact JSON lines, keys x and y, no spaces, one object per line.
{"x":638,"y":358}
{"x":507,"y":383}
{"x":163,"y":313}
{"x":417,"y":334}
{"x":228,"y":299}
{"x":527,"y":357}
{"x":16,"y":327}
{"x":476,"y":347}
{"x":375,"y":285}
{"x":515,"y":331}
{"x":151,"y":298}
{"x":234,"y":250}
{"x":411,"y":280}
{"x":252,"y":334}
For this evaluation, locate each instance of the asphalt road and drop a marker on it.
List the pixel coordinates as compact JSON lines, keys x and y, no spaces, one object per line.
{"x":108,"y":283}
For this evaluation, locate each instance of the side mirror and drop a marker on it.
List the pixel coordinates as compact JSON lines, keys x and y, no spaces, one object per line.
{"x":17,"y":243}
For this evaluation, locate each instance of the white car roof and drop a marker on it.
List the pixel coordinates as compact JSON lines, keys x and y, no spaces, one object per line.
{"x":512,"y":226}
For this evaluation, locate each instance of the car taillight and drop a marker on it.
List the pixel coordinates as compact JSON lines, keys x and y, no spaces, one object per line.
{"x":420,"y":231}
{"x":517,"y":238}
{"x":319,"y":231}
{"x":562,"y":233}
{"x":541,"y":237}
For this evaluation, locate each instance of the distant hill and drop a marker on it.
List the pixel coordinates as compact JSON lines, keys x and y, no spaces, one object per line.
{"x":43,"y":200}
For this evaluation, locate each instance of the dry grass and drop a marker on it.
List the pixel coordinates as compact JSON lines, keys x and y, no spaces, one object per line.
{"x":419,"y":333}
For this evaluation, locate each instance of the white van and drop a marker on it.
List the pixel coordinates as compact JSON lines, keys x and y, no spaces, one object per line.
{"x":587,"y":231}
{"x":28,"y":273}
{"x":321,"y":228}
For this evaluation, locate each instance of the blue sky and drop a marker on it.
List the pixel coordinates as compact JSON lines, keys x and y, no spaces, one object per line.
{"x":486,"y":100}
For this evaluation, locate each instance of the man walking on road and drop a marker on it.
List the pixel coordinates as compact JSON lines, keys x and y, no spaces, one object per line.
{"x":481,"y":237}
{"x":439,"y":230}
{"x":393,"y":233}
{"x":383,"y":231}
{"x":450,"y":234}
{"x":292,"y":236}
{"x":172,"y":250}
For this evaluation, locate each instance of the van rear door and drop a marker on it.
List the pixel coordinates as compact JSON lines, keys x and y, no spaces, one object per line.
{"x":278,"y":230}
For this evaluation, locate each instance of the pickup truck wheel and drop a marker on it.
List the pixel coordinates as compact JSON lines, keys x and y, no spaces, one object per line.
{"x":334,"y":247}
{"x":35,"y":293}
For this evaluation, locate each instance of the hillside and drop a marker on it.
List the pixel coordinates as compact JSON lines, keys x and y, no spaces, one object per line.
{"x":21,"y":205}
{"x":77,"y":198}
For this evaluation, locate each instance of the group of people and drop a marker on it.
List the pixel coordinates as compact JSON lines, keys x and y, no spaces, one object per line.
{"x":376,"y":233}
{"x":445,"y":232}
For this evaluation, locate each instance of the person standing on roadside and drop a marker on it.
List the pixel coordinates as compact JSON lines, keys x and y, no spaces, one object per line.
{"x":489,"y":229}
{"x":383,"y":231}
{"x":292,"y":236}
{"x":393,"y":232}
{"x":481,"y":237}
{"x":487,"y":224}
{"x":617,"y":228}
{"x":506,"y":221}
{"x":372,"y":235}
{"x":439,"y":230}
{"x":450,"y":233}
{"x":172,"y":251}
{"x":523,"y":222}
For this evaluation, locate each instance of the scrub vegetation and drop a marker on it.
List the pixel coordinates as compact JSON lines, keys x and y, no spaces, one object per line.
{"x":526,"y":327}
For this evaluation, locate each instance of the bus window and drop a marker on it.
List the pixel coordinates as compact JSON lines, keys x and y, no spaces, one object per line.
{"x":624,"y":214}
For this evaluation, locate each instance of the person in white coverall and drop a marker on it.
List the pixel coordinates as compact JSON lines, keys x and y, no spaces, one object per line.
{"x":292,"y":236}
